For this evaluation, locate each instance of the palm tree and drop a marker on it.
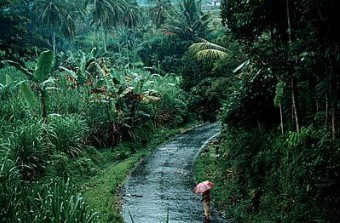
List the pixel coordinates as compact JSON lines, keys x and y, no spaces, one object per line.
{"x":59,"y":14}
{"x":159,"y":11}
{"x":189,"y":22}
{"x":51,"y":13}
{"x":132,"y":14}
{"x":106,"y":14}
{"x":74,"y":13}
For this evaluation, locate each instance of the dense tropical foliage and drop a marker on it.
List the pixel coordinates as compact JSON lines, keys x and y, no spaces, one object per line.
{"x":83,"y":79}
{"x":279,"y":153}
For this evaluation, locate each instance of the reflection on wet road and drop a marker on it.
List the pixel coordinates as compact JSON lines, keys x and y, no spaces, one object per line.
{"x":162,"y":183}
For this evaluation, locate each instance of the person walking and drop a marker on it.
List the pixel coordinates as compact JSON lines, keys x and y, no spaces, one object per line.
{"x":206,"y":205}
{"x":204,"y":189}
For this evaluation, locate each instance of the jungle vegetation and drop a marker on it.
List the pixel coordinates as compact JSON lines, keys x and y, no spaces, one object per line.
{"x":84,"y":83}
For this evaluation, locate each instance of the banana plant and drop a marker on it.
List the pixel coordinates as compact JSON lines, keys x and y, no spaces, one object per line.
{"x":37,"y":81}
{"x":122,"y":91}
{"x":87,"y":71}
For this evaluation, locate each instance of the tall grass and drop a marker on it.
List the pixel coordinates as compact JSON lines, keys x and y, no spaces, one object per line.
{"x":71,"y":132}
{"x":59,"y":202}
{"x":31,"y":147}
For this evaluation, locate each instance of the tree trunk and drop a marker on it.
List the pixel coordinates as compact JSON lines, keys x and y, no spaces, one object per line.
{"x":53,"y":42}
{"x":294,"y":107}
{"x":289,"y":24}
{"x":43,"y":105}
{"x":333,"y":124}
{"x":295,"y":113}
{"x":105,"y":40}
{"x":281,"y":118}
{"x":327,"y":110}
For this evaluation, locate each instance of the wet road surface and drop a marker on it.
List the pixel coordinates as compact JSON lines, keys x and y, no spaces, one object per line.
{"x":162,"y":183}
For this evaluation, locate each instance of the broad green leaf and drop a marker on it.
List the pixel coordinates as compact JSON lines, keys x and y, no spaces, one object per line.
{"x":28,"y":95}
{"x":18,"y":66}
{"x":8,"y":80}
{"x":44,"y":66}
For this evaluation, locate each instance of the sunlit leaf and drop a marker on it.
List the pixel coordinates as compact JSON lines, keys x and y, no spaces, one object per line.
{"x":44,"y":66}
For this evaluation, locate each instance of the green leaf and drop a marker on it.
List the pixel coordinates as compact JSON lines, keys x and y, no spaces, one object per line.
{"x":138,"y":86}
{"x":28,"y":95}
{"x":44,"y":66}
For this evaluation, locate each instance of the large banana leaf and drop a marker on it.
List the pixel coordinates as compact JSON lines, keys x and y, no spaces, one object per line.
{"x":28,"y":95}
{"x":44,"y":66}
{"x":21,"y":68}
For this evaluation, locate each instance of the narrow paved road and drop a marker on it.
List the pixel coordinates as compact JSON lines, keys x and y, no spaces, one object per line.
{"x":162,"y":183}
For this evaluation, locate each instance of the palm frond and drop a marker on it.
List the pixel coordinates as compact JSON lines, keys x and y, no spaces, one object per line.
{"x":210,"y":54}
{"x":204,"y":45}
{"x":208,"y":50}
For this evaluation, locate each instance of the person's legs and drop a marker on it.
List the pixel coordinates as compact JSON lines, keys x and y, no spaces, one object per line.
{"x":206,"y":207}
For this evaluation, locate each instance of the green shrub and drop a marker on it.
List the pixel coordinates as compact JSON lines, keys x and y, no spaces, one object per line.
{"x":100,"y":134}
{"x":171,"y":108}
{"x":310,"y":176}
{"x":59,"y":166}
{"x":12,"y":108}
{"x":85,"y":167}
{"x":269,"y":178}
{"x":55,"y":202}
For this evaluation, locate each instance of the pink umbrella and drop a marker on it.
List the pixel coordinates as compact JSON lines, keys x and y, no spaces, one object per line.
{"x":203,"y":186}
